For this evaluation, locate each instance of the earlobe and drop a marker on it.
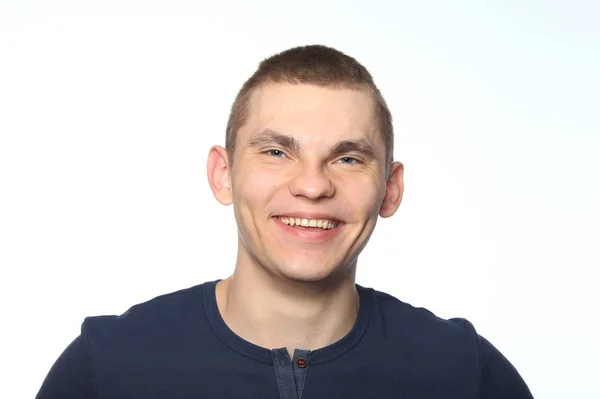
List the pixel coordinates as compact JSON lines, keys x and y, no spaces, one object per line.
{"x":219,"y":175}
{"x":393,"y":191}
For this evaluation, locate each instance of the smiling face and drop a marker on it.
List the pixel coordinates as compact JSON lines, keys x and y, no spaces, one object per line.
{"x":307,"y":180}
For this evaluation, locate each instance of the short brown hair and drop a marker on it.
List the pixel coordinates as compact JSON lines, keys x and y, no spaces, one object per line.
{"x":317,"y":65}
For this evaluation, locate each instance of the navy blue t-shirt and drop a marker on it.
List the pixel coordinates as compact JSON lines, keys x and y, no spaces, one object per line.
{"x":178,"y":346}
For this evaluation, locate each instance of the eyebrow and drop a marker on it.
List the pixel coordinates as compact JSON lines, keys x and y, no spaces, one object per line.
{"x":359,"y":146}
{"x":269,"y":137}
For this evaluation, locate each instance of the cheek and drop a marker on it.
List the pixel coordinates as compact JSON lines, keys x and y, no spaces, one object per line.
{"x":364,"y":196}
{"x":252,"y":189}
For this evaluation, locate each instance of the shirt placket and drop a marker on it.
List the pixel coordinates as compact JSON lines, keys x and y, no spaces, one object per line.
{"x":291,"y":375}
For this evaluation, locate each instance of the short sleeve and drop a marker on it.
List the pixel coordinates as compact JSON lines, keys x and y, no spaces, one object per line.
{"x":71,"y":375}
{"x":499,"y":378}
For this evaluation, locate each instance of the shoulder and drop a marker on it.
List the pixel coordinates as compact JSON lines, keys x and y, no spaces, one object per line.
{"x":436,"y":341}
{"x":168,"y":312}
{"x":406,"y":316}
{"x":111,"y":346}
{"x":417,"y":333}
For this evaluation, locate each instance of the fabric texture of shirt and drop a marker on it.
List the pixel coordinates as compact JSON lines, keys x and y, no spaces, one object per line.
{"x":178,"y":346}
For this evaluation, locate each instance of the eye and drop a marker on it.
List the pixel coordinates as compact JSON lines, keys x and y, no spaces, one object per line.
{"x":348,"y":160}
{"x":275,"y":153}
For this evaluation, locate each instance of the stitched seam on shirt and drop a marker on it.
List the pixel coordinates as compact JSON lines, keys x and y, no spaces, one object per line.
{"x":221,"y":338}
{"x":479,"y":366}
{"x":89,"y":351}
{"x":469,"y":327}
{"x":354,"y":344}
{"x":279,"y":384}
{"x":236,"y":350}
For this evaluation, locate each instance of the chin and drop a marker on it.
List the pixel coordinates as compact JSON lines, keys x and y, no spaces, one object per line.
{"x":305,"y":278}
{"x":301,"y":273}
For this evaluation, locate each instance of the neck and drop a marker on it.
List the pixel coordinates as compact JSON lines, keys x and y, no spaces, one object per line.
{"x":272,"y":312}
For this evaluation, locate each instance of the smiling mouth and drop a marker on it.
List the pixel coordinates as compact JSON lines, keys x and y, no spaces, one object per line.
{"x":323,"y":224}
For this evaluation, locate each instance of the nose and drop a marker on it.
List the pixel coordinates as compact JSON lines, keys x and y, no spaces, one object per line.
{"x":312,"y":182}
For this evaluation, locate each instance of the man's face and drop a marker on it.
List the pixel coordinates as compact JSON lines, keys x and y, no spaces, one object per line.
{"x":308,"y":155}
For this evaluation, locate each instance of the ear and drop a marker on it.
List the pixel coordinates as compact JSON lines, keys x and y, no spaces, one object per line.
{"x":219,"y":175}
{"x":394,"y":189}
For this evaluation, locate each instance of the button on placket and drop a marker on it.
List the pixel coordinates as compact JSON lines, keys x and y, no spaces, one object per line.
{"x":301,"y":362}
{"x":301,"y":359}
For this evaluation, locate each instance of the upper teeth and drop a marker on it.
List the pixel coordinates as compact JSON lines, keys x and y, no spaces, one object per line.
{"x":321,"y":223}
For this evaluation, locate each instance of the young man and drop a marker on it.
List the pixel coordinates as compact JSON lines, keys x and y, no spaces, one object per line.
{"x":308,"y":168}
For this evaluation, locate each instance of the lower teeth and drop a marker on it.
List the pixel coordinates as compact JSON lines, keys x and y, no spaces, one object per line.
{"x":311,"y":227}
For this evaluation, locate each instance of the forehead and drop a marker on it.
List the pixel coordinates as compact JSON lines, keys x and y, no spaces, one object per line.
{"x":312,"y":114}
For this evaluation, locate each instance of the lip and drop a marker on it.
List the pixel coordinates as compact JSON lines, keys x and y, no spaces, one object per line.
{"x":302,"y":236}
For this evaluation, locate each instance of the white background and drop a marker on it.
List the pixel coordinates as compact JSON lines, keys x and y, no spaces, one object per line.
{"x":108,"y":109}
